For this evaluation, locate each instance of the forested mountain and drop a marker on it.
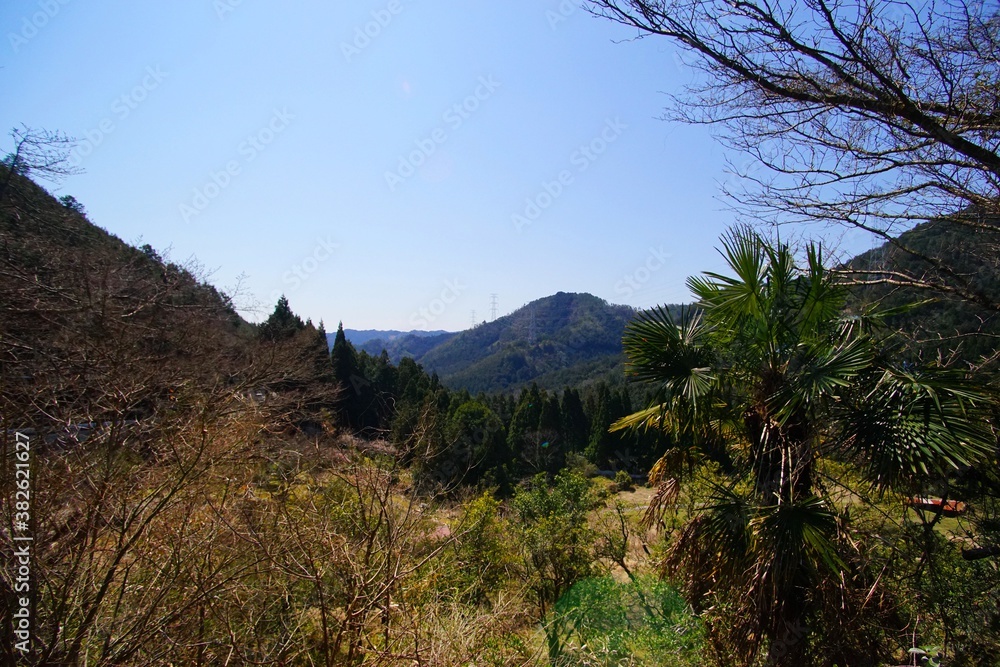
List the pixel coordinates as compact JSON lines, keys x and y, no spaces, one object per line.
{"x":360,"y":337}
{"x":413,"y":344}
{"x":97,"y":331}
{"x":941,"y":324}
{"x":561,"y":340}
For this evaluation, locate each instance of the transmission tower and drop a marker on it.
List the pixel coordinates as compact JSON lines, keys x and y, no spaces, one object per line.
{"x":494,"y":306}
{"x":473,"y":320}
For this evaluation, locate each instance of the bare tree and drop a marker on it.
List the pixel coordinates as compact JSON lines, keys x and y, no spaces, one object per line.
{"x":871,"y":114}
{"x":41,"y":154}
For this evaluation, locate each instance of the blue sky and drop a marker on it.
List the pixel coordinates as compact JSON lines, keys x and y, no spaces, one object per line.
{"x":390,"y":164}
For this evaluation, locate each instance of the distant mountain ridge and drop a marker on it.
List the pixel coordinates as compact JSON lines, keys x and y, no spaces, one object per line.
{"x":359,"y":337}
{"x":563,"y":339}
{"x":575,"y":338}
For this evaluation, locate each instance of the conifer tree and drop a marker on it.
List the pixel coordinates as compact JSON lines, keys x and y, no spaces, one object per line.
{"x":282,"y":324}
{"x":602,"y":443}
{"x":347,"y":373}
{"x":575,"y":426}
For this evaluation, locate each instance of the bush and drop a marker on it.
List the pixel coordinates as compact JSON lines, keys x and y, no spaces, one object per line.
{"x":642,"y":622}
{"x":623,"y":481}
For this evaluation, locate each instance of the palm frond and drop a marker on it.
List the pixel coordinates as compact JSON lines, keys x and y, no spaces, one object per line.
{"x":793,"y":533}
{"x":822,"y":300}
{"x":654,"y":417}
{"x":744,"y":252}
{"x":822,"y":372}
{"x":666,"y":494}
{"x":726,"y":530}
{"x":904,"y":425}
{"x":671,"y":353}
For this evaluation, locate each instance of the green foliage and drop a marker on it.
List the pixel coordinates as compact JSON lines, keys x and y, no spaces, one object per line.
{"x":553,"y":533}
{"x":534,"y":436}
{"x":282,"y":323}
{"x":767,"y":377}
{"x":71,"y":202}
{"x":645,"y":621}
{"x":486,"y":557}
{"x":953,"y":599}
{"x":623,"y":481}
{"x":359,"y":403}
{"x":477,"y":444}
{"x":579,"y":465}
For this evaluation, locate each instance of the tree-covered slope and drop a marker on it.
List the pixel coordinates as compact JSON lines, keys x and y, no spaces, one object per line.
{"x":942,"y":323}
{"x":561,"y":340}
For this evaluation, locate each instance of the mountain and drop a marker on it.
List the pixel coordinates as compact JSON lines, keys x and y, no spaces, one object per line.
{"x":93,"y":330}
{"x":414,"y":344}
{"x":560,"y":340}
{"x":568,"y":339}
{"x":943,"y":323}
{"x":92,"y":327}
{"x":360,"y":337}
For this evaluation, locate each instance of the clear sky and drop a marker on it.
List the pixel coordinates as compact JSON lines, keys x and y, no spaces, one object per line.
{"x":390,"y":164}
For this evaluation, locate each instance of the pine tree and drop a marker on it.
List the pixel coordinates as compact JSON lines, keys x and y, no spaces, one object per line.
{"x":575,"y":426}
{"x":282,"y":324}
{"x":522,"y":434}
{"x":347,"y":373}
{"x":551,"y":452}
{"x":324,"y":369}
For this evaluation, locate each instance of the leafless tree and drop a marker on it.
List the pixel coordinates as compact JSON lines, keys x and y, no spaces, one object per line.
{"x":42,"y":154}
{"x":871,"y":114}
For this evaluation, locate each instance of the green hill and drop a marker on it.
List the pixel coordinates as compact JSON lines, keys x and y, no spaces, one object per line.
{"x":560,"y":340}
{"x":946,"y":324}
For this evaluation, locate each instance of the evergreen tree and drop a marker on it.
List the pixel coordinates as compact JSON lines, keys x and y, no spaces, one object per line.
{"x":550,"y":452}
{"x":601,"y":445}
{"x":477,"y":445}
{"x":347,"y":373}
{"x":522,"y":433}
{"x":575,"y":426}
{"x":282,"y":324}
{"x":383,"y":376}
{"x":321,"y":356}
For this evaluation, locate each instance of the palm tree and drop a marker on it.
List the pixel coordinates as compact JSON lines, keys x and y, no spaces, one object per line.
{"x":767,"y":376}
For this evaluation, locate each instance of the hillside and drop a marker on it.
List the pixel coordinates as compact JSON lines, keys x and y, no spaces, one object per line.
{"x":379,"y":337}
{"x":92,"y":327}
{"x":94,"y":330}
{"x":945,"y":323}
{"x":569,"y":338}
{"x":564,"y":339}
